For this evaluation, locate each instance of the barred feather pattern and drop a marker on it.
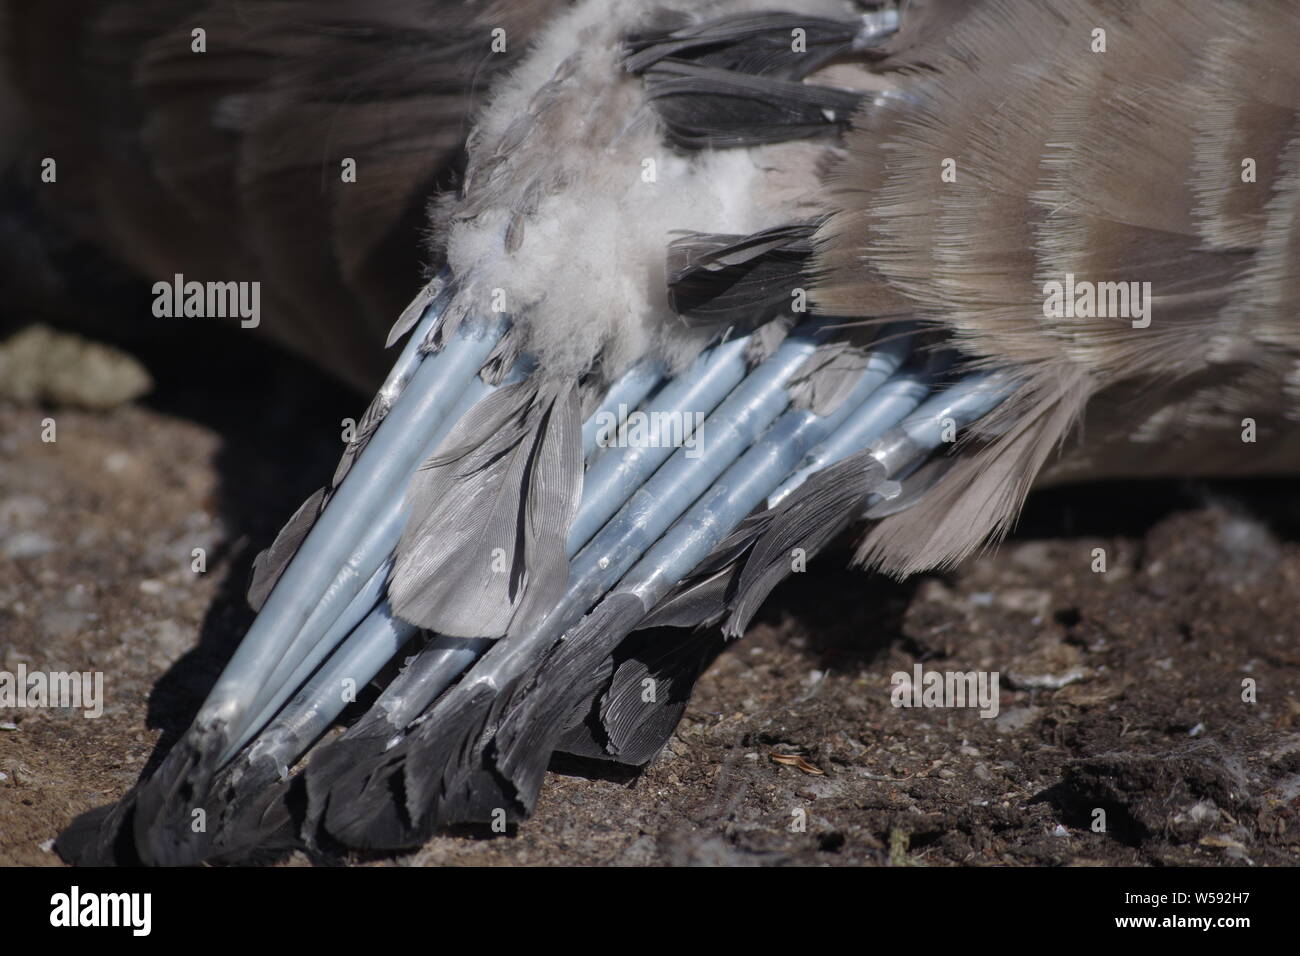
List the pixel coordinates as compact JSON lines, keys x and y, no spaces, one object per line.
{"x":1115,"y":166}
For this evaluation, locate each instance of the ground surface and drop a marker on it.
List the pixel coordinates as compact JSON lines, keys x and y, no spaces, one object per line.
{"x":1120,"y":690}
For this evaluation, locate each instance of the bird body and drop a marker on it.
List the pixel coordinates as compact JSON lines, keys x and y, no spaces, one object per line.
{"x":207,"y":139}
{"x":900,"y":265}
{"x":1137,"y":153}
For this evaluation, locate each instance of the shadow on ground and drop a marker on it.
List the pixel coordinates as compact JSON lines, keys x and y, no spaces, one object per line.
{"x":1120,"y":691}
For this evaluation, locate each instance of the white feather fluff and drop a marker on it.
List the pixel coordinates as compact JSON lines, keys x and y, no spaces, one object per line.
{"x":569,"y":159}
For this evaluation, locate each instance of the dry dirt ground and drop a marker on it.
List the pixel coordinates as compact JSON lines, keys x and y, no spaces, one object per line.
{"x":1121,"y":690}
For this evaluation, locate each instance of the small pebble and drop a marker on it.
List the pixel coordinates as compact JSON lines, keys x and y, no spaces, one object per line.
{"x":117,"y":462}
{"x":1016,"y":719}
{"x":28,"y":544}
{"x":19,"y":510}
{"x":60,"y":622}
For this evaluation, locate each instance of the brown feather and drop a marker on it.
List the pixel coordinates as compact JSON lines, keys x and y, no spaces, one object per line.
{"x":1105,"y":166}
{"x":225,"y":165}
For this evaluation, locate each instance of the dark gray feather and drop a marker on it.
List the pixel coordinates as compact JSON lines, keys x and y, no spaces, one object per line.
{"x":414,"y":310}
{"x":754,"y":43}
{"x":371,"y":795}
{"x":99,"y":837}
{"x":735,"y":579}
{"x":650,"y":690}
{"x":812,"y":516}
{"x":704,"y":596}
{"x":707,"y":108}
{"x":483,"y":757}
{"x":371,"y":419}
{"x":739,"y":282}
{"x":271,"y":562}
{"x":555,"y":697}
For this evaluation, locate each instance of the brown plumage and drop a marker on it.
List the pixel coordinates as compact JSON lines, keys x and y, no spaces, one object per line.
{"x":1123,"y":165}
{"x":226,"y":164}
